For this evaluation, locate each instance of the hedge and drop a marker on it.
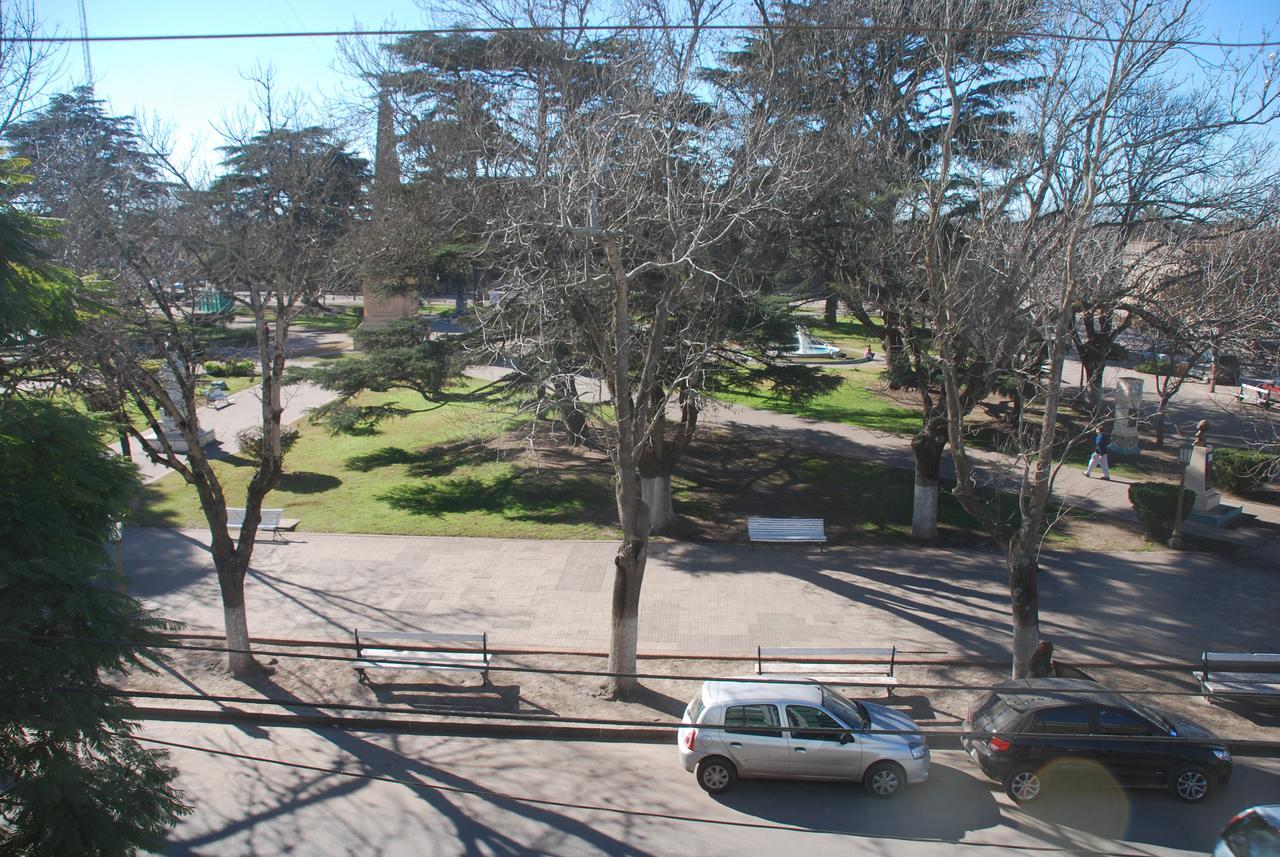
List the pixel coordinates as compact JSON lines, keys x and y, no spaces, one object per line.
{"x":1156,"y":505}
{"x":1241,"y":470}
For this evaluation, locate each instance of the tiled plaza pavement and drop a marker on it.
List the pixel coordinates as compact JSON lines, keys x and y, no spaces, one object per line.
{"x":715,"y":599}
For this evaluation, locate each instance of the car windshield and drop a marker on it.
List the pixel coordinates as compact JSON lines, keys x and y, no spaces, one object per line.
{"x":851,"y":713}
{"x":1154,"y":716}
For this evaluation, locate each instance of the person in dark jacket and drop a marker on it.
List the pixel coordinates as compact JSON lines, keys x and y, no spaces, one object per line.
{"x":1101,"y":443}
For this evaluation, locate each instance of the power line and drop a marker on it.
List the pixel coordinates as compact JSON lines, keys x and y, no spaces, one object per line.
{"x":866,"y":29}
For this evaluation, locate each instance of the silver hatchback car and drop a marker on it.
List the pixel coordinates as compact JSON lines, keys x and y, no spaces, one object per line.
{"x":735,"y":728}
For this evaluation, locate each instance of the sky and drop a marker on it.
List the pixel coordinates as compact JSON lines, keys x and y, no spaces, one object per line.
{"x":196,"y":87}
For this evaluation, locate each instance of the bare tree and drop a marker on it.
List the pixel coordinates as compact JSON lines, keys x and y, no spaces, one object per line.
{"x":620,"y":231}
{"x":266,"y":235}
{"x":1040,"y":237}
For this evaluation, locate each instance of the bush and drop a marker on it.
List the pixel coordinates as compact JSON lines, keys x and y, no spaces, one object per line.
{"x":251,"y":440}
{"x":1241,"y":470}
{"x":230,"y":369}
{"x":1156,"y":504}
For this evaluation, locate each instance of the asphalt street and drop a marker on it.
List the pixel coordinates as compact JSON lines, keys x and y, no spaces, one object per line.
{"x":322,"y":793}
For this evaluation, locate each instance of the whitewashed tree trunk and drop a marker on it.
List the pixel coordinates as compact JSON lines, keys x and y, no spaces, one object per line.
{"x":924,"y":510}
{"x":655,"y":491}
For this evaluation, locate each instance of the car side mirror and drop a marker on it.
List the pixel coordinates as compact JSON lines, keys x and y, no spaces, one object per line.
{"x":845,"y":737}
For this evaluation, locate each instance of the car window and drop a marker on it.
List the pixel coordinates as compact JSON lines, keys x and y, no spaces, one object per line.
{"x":843,"y":708}
{"x":752,"y":720}
{"x":1252,"y":837}
{"x":803,"y":717}
{"x":695,"y":707}
{"x":1114,"y":721}
{"x":1062,"y":721}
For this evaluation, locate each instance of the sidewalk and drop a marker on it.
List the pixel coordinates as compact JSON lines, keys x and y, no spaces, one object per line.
{"x":712,"y":599}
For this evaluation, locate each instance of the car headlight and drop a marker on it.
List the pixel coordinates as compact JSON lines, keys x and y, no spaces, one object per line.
{"x":917,"y":749}
{"x":1222,"y":754}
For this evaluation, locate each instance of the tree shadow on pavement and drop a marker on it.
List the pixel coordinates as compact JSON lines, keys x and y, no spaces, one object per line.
{"x":359,"y":757}
{"x":946,"y":808}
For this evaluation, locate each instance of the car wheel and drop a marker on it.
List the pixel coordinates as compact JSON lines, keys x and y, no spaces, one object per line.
{"x":1023,"y":785}
{"x":716,"y":774}
{"x":1190,"y":783}
{"x":884,"y":780}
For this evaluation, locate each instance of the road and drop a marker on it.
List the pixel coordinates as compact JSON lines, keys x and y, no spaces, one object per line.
{"x":377,"y":794}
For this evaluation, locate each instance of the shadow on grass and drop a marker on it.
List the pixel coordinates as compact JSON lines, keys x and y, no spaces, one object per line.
{"x":148,"y":512}
{"x":305,"y":482}
{"x":518,"y":496}
{"x":432,"y":461}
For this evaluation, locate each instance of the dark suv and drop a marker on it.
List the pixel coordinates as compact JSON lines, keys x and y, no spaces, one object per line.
{"x":1022,"y":729}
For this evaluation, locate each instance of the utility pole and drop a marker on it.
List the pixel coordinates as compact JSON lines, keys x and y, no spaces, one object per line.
{"x":84,"y":34}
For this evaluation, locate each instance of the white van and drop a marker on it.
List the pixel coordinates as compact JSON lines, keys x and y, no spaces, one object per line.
{"x":801,"y":729}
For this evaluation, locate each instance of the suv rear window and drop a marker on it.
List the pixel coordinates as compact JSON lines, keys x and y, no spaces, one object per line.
{"x":994,"y":714}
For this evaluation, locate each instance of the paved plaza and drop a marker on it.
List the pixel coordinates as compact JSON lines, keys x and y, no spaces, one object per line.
{"x":714,"y":599}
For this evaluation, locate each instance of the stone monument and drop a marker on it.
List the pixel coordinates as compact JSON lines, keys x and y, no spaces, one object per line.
{"x":381,"y":305}
{"x":1208,"y":507}
{"x":168,"y":426}
{"x":1124,"y":430}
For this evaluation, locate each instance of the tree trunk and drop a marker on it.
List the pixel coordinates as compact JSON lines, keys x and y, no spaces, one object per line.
{"x":239,"y":658}
{"x":571,"y":412}
{"x":1160,"y":411}
{"x":830,"y":312}
{"x":926,"y":449}
{"x":655,"y":491}
{"x":1024,"y":599}
{"x":628,"y":574}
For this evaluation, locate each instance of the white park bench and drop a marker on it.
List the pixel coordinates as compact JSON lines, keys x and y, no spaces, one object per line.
{"x":271,"y":521}
{"x":387,"y":650}
{"x":1239,"y":675}
{"x":786,"y":530}
{"x":864,"y":666}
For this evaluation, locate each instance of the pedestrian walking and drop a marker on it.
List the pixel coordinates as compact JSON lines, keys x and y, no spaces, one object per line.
{"x":1101,"y":443}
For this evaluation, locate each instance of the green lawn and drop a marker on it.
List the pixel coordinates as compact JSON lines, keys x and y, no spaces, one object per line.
{"x":855,"y":402}
{"x":428,"y":474}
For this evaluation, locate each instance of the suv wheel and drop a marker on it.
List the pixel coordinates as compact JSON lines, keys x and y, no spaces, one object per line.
{"x":1023,"y":785}
{"x":1190,"y":783}
{"x":716,"y":774}
{"x":884,"y":780}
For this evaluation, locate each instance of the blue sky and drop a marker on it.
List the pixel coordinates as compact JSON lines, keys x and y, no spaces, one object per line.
{"x":195,"y":86}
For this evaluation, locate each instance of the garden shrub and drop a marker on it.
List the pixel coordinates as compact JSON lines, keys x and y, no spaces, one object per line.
{"x":214,"y":369}
{"x":251,"y":440}
{"x":1241,"y":470}
{"x":1156,"y":505}
{"x":230,"y":369}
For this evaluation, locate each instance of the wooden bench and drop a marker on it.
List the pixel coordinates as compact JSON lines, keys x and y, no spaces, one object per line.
{"x":873,"y":667}
{"x":270,"y":520}
{"x":1239,"y":675}
{"x":468,"y":652}
{"x":786,"y":530}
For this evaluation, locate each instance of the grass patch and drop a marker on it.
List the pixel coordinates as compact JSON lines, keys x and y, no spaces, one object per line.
{"x":338,"y":321}
{"x":855,"y":402}
{"x":433,"y":473}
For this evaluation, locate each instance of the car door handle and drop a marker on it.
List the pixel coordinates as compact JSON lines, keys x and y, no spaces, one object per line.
{"x":737,"y":744}
{"x":799,"y":749}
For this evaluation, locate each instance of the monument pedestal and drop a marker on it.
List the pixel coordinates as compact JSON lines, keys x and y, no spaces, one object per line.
{"x":1208,"y":507}
{"x":1124,"y":425}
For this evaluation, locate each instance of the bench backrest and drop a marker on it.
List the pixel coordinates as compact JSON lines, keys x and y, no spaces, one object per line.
{"x":454,"y":641}
{"x":1240,"y":661}
{"x":270,"y":517}
{"x":867,"y":658}
{"x":781,"y":529}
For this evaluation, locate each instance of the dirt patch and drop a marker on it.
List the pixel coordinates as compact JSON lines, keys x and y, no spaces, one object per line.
{"x":555,"y":685}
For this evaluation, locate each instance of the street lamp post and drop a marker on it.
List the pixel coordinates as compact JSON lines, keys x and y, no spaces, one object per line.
{"x":1175,"y":541}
